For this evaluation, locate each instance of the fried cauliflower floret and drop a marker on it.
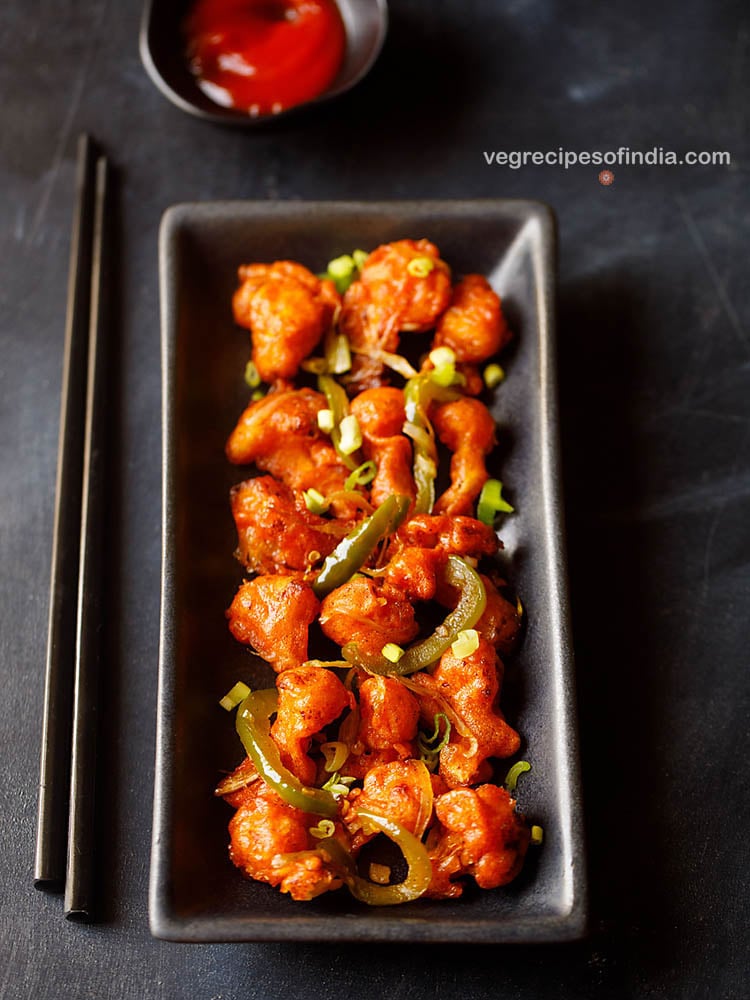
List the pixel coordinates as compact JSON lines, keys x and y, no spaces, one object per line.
{"x":470,"y":688}
{"x":269,"y":841}
{"x":473,"y":326}
{"x":467,"y":428}
{"x":309,"y":698}
{"x":400,"y":791}
{"x":287,"y":309}
{"x":380,"y":414}
{"x":280,"y":434}
{"x":388,"y":716}
{"x":369,"y":613}
{"x":275,"y":531}
{"x":500,"y":623}
{"x":479,"y":833}
{"x":272,"y":614}
{"x":463,"y":536}
{"x":416,"y":571}
{"x":389,"y":298}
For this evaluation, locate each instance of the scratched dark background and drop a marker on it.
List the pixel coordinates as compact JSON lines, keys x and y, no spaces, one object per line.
{"x":654,"y":302}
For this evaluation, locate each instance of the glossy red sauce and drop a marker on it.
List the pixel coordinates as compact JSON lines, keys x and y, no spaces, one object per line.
{"x":262,"y":56}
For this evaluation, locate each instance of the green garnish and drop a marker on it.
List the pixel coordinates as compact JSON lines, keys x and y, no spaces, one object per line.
{"x":511,"y":778}
{"x":491,"y":502}
{"x":420,"y":267}
{"x":465,"y":643}
{"x":234,"y":696}
{"x":362,"y":475}
{"x":392,"y":652}
{"x":430,"y":746}
{"x":351,"y":435}
{"x":315,"y":502}
{"x":493,"y":375}
{"x":252,"y":376}
{"x":326,"y":828}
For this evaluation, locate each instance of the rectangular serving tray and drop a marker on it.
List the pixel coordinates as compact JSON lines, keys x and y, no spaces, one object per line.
{"x":195,"y":893}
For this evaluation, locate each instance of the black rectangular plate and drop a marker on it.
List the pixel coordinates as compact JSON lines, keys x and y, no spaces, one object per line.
{"x":196,"y":894}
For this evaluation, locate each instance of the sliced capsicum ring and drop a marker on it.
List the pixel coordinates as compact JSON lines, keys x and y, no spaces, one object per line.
{"x":253,"y":728}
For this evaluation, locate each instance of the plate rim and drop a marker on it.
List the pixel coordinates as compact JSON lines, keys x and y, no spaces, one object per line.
{"x":570,"y":923}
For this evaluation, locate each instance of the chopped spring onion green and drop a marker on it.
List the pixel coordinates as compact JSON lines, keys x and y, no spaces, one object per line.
{"x":252,"y":377}
{"x":420,"y":267}
{"x":392,"y":652}
{"x":341,"y":267}
{"x":430,"y":746}
{"x":511,"y":778}
{"x":315,"y":502}
{"x":442,"y":356}
{"x":493,"y":376}
{"x":258,"y":394}
{"x":338,"y":356}
{"x":351,"y":435}
{"x":325,"y":420}
{"x":465,"y":643}
{"x":362,"y":475}
{"x":537,"y":834}
{"x":359,"y":257}
{"x":491,"y":502}
{"x":395,"y":361}
{"x":337,"y":785}
{"x":343,"y":270}
{"x":338,"y":404}
{"x":326,"y":828}
{"x":234,"y":696}
{"x":335,"y":754}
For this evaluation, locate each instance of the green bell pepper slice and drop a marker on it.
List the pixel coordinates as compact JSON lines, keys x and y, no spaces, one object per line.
{"x":468,"y":611}
{"x":254,"y":729}
{"x":352,"y":551}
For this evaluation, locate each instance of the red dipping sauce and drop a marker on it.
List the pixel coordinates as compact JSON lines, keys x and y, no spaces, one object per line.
{"x":263,"y":56}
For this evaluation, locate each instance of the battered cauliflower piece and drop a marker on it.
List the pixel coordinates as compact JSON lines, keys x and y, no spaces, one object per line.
{"x":269,"y":841}
{"x":473,"y":326}
{"x":467,"y":428}
{"x":380,"y":414}
{"x":389,"y":714}
{"x":500,"y":623}
{"x":400,"y":791}
{"x":470,"y":688}
{"x":416,"y":571}
{"x":393,"y":294}
{"x":272,"y":614}
{"x":287,"y":309}
{"x":309,"y":698}
{"x":479,"y":833}
{"x":368,"y":612}
{"x":280,"y":434}
{"x":275,"y":530}
{"x":462,"y":536}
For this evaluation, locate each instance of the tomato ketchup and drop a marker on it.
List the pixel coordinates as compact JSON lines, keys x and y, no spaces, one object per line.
{"x":262,"y":56}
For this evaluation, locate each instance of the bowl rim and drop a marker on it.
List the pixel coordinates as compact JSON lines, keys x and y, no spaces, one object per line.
{"x":229,"y":116}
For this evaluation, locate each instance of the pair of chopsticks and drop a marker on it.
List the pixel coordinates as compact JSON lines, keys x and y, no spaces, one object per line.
{"x":66,"y":816}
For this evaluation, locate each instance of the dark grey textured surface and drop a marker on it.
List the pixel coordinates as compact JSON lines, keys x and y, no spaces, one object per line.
{"x":654,"y":305}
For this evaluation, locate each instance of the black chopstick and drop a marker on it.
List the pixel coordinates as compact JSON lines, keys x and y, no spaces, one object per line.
{"x":54,"y":776}
{"x":79,"y":881}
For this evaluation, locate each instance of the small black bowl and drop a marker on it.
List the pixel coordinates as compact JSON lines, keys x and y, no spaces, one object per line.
{"x":162,"y":47}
